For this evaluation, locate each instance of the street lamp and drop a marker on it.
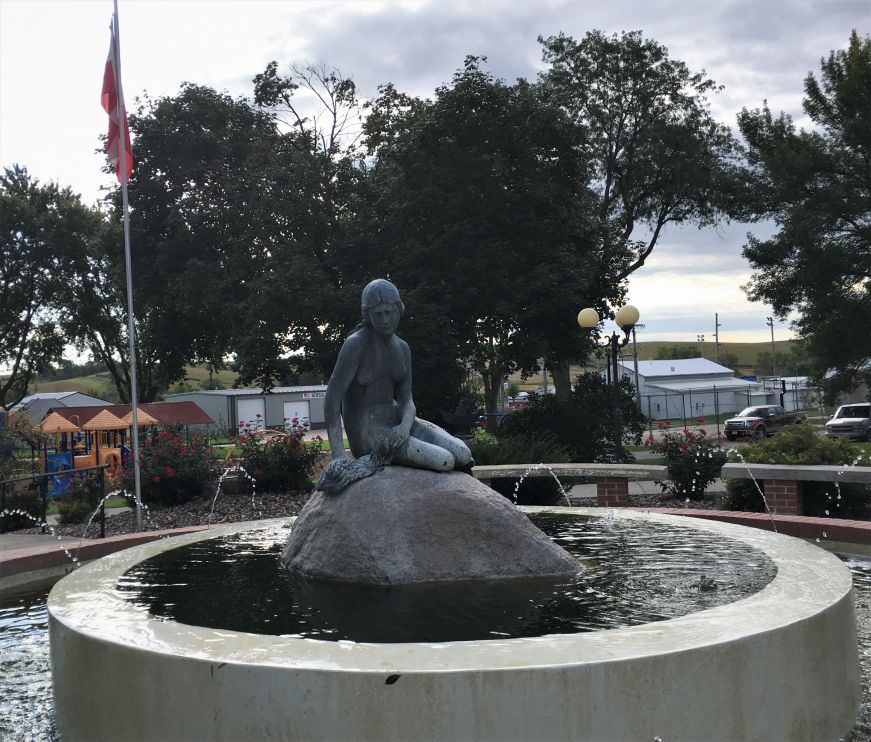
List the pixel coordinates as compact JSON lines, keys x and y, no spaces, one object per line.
{"x":626,"y":318}
{"x":701,"y":340}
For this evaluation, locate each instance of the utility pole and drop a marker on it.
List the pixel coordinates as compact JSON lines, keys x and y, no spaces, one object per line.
{"x":717,"y":336}
{"x":770,"y":323}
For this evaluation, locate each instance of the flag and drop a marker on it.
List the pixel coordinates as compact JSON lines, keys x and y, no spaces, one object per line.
{"x":112,"y":99}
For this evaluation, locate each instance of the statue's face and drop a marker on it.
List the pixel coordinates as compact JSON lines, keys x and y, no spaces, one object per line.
{"x":384,"y":318}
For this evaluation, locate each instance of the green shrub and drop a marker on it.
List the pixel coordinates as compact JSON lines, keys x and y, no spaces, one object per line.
{"x":694,"y":460}
{"x":490,"y":450}
{"x":79,"y":501}
{"x":800,"y":445}
{"x":174,"y":468}
{"x":284,"y":463}
{"x":583,"y":424}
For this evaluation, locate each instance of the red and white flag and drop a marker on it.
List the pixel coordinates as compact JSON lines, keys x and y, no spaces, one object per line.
{"x":113,"y":104}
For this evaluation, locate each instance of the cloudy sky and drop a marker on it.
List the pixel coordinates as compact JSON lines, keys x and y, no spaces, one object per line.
{"x":52,"y":55}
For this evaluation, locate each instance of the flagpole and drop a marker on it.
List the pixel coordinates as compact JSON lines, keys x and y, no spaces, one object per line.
{"x":134,"y":400}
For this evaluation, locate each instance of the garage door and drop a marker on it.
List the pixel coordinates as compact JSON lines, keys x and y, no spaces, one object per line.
{"x":251,"y":411}
{"x":298,"y":410}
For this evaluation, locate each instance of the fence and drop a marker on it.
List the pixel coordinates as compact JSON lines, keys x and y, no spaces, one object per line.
{"x":687,"y":405}
{"x":41,"y":481}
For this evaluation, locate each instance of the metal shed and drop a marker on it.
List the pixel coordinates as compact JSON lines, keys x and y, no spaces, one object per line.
{"x":233,"y":407}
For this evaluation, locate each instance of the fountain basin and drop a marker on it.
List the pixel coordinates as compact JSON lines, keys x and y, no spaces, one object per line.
{"x":781,"y":664}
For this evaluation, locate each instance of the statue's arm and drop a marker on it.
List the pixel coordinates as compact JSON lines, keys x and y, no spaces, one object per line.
{"x":404,"y":399}
{"x":343,"y":375}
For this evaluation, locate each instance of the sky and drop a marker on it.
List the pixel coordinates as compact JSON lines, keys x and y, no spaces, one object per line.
{"x":52,"y":55}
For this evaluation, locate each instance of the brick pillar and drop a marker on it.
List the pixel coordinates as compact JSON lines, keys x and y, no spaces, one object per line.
{"x":612,"y":492}
{"x":783,"y":496}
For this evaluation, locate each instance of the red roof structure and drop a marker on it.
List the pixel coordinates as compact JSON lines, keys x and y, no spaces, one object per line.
{"x":165,"y":413}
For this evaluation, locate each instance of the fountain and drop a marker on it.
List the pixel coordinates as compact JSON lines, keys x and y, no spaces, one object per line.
{"x":780,"y":663}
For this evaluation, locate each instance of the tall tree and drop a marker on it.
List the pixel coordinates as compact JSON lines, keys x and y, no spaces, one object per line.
{"x":205,"y":232}
{"x":43,"y":229}
{"x":659,"y":156}
{"x":816,"y":186}
{"x":480,"y":195}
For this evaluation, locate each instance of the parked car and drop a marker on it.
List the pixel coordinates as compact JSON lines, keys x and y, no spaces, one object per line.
{"x":851,"y":421}
{"x":761,"y":420}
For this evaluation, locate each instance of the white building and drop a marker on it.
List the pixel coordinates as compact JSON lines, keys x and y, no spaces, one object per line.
{"x":686,"y":388}
{"x":36,"y":405}
{"x":232,"y":407}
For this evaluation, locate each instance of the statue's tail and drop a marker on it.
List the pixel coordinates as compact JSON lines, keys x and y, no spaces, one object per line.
{"x":342,"y":473}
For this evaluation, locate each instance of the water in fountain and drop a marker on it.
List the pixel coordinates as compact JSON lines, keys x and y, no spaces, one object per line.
{"x":625,"y":584}
{"x":539,"y":467}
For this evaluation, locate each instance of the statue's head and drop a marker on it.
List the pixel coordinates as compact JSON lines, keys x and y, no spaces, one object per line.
{"x":380,"y":291}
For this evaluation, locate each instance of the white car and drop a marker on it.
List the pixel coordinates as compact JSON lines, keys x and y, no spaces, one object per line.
{"x":851,"y":421}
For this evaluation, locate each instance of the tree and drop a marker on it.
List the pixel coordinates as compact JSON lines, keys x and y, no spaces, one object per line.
{"x":659,"y":156}
{"x":816,"y":186}
{"x":485,"y":179}
{"x":218,"y":203}
{"x":43,"y":229}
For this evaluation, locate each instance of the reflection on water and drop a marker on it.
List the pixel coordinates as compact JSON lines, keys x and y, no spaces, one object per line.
{"x":635,"y":573}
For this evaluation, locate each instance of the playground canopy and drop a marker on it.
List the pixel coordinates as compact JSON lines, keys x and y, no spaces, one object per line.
{"x":55,"y":423}
{"x":143,"y":419}
{"x":105,"y":420}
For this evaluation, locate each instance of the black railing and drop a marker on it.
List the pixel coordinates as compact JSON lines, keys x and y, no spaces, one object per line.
{"x":40,"y":482}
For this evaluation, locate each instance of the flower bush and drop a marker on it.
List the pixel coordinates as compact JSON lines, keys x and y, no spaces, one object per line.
{"x":694,"y":459}
{"x":174,"y":467}
{"x":280,"y":463}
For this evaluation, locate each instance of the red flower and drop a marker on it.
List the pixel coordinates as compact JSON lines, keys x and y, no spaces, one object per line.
{"x":684,"y":447}
{"x":659,"y":425}
{"x":155,"y":478}
{"x":170,"y":471}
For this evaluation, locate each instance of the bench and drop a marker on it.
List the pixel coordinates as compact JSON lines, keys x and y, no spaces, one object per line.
{"x":612,"y":480}
{"x":781,"y":488}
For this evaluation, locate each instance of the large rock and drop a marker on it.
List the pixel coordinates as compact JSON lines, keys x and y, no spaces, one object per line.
{"x":403,"y":526}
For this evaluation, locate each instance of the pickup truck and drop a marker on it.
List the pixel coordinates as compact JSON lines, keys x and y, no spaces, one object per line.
{"x":851,"y":421}
{"x":761,"y":420}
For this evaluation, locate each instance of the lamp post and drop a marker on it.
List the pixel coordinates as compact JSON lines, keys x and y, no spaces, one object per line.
{"x":626,"y":318}
{"x":701,"y":340}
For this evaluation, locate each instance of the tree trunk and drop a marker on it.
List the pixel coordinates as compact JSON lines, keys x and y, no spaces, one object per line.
{"x":562,"y":380}
{"x":492,"y":378}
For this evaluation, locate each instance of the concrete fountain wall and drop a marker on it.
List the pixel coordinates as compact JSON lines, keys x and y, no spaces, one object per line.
{"x":781,"y":664}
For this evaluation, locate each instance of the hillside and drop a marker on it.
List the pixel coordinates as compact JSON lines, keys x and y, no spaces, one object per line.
{"x":101,"y":386}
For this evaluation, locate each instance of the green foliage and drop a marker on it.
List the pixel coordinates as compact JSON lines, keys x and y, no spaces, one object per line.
{"x":659,"y":157}
{"x":670,"y":352}
{"x":816,"y":186}
{"x":583,"y":425}
{"x":801,"y":445}
{"x":490,"y":450}
{"x":283,"y":463}
{"x":466,"y":184}
{"x":42,"y":230}
{"x":174,"y":468}
{"x":694,"y":460}
{"x":79,"y":501}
